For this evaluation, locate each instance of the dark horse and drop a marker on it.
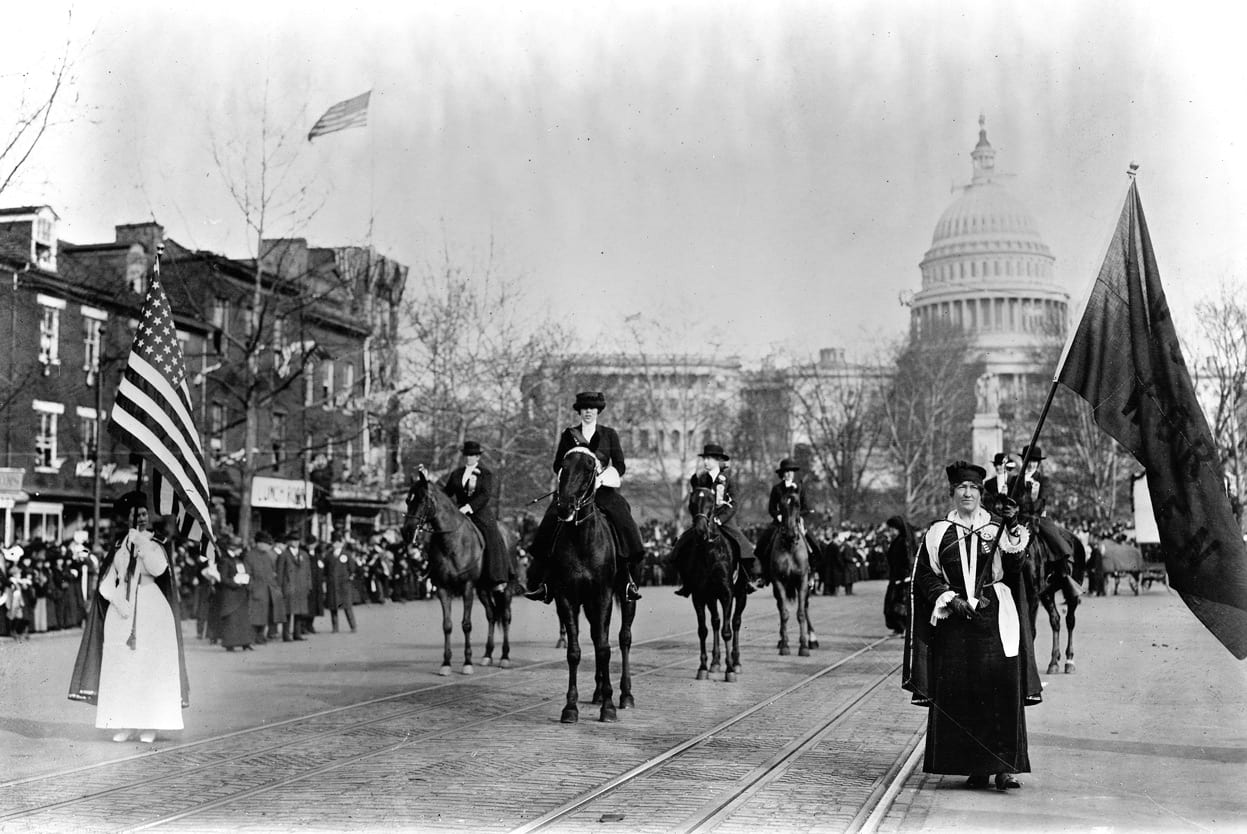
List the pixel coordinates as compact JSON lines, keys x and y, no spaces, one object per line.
{"x":717,"y":583}
{"x":790,"y":576}
{"x":1048,"y":573}
{"x":454,"y":554}
{"x":580,"y":573}
{"x":497,"y":605}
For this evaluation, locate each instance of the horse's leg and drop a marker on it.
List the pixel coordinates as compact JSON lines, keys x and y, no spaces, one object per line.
{"x":1071,"y":605}
{"x":809,"y":624}
{"x":716,"y":655}
{"x":448,"y":629}
{"x":561,"y":643}
{"x":727,"y":635}
{"x":699,"y":606}
{"x":738,"y":613}
{"x":782,"y":604}
{"x":803,"y":624}
{"x":599,"y":629}
{"x":569,"y":615}
{"x":1048,"y":597}
{"x":468,"y":596}
{"x":627,"y":613}
{"x":489,"y":604}
{"x":505,"y":616}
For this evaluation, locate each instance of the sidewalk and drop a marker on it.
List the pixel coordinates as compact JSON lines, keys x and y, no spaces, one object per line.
{"x":1150,"y":734}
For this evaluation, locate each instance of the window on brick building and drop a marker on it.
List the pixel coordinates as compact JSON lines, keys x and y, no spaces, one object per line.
{"x":326,"y":383}
{"x":216,"y":428}
{"x":49,"y":331}
{"x":88,"y":433}
{"x":45,"y":433}
{"x":279,"y":438}
{"x":92,"y":331}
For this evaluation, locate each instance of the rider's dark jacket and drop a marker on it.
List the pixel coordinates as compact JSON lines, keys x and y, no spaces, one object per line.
{"x":604,"y":444}
{"x":775,"y":506}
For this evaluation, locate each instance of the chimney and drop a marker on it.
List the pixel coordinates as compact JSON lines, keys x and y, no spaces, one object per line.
{"x":147,"y":235}
{"x":284,"y":257}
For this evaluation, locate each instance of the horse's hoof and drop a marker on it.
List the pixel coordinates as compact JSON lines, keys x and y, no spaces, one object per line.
{"x":467,"y":669}
{"x":804,"y":651}
{"x":715,"y":667}
{"x":703,"y":675}
{"x":736,"y":668}
{"x":813,"y":644}
{"x":608,"y":712}
{"x":785,"y":651}
{"x":505,"y":663}
{"x":487,"y":661}
{"x":444,"y":671}
{"x":1054,"y":668}
{"x":730,"y":677}
{"x":627,"y":702}
{"x":570,"y":715}
{"x":1069,"y":667}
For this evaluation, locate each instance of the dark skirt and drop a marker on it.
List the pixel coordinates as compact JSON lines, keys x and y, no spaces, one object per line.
{"x":976,"y":723}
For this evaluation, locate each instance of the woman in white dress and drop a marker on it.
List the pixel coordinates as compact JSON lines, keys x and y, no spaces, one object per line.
{"x":140,"y":680}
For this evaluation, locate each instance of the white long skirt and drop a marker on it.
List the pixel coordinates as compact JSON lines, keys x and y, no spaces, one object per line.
{"x":140,"y":688}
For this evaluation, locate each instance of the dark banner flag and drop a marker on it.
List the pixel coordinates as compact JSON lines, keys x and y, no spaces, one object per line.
{"x":1124,"y":360}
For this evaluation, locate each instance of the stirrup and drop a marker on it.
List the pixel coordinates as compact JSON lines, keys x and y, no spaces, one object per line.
{"x":539,"y":594}
{"x":632,"y":592}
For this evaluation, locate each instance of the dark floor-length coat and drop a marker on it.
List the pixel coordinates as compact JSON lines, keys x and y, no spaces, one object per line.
{"x":268,"y":605}
{"x":234,"y":596}
{"x":974,"y":675}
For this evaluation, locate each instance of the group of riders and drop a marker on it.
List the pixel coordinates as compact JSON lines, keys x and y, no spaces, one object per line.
{"x":470,"y":487}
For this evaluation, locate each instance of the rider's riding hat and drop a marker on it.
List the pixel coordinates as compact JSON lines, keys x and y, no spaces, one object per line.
{"x":590,"y":399}
{"x":713,"y":450}
{"x":133,"y":500}
{"x":788,"y":465}
{"x":470,"y":447}
{"x":1030,"y":453}
{"x":960,"y":472}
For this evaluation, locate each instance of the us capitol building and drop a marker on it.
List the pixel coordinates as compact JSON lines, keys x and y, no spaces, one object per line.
{"x":990,"y":274}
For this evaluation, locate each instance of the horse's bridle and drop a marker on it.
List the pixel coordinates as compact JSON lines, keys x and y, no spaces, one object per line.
{"x":710,"y":525}
{"x":587,"y":499}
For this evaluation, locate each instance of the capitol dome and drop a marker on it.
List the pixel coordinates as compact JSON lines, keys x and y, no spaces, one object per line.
{"x":989,"y":273}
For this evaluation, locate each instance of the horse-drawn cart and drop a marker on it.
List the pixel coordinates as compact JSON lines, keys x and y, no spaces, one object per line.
{"x":1114,"y":560}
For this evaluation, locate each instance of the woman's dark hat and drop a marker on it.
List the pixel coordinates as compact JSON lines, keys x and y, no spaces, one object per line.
{"x":788,"y":465}
{"x":132,"y":500}
{"x":589,"y":399}
{"x":470,"y":447}
{"x":1035,"y":453}
{"x":999,"y":459}
{"x":713,"y":450}
{"x":959,"y":472}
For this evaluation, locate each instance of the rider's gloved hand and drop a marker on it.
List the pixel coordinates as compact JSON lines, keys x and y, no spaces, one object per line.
{"x":1009,"y":512}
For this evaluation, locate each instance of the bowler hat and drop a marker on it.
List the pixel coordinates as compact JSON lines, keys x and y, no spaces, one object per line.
{"x":999,"y":459}
{"x":470,"y":447}
{"x":713,"y":450}
{"x":133,"y":500}
{"x":960,"y":471}
{"x":788,"y":465}
{"x":589,"y":399}
{"x":1032,"y":453}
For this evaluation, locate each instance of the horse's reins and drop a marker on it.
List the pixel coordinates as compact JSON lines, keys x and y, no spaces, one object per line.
{"x":714,"y":532}
{"x":587,"y":499}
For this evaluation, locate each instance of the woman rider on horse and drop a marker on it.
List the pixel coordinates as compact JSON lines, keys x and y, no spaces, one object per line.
{"x":713,"y":474}
{"x":603,"y":442}
{"x":788,"y":483}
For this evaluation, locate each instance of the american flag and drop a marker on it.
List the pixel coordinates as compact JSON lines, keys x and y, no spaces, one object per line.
{"x":350,"y":113}
{"x":152,"y":413}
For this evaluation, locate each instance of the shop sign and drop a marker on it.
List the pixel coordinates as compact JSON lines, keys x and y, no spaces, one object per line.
{"x":281,"y":493}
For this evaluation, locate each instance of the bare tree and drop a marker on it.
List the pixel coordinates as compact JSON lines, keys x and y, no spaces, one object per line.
{"x":31,"y":97}
{"x":839,"y":405}
{"x":1222,"y":376}
{"x":259,"y":171}
{"x":473,"y":363}
{"x":926,"y":413}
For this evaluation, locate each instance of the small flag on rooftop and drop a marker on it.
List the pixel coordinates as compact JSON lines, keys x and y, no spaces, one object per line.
{"x":345,"y":114}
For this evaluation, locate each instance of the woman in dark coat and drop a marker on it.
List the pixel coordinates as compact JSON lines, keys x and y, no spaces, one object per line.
{"x":471,"y":487}
{"x":603,"y":441}
{"x":294,"y":575}
{"x":900,"y":566}
{"x":339,"y":561}
{"x":234,"y":596}
{"x":968,"y":655}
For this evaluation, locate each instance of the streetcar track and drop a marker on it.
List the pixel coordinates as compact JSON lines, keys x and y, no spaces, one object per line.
{"x":334,"y":731}
{"x":578,"y":803}
{"x":542,"y":703}
{"x":494,"y":671}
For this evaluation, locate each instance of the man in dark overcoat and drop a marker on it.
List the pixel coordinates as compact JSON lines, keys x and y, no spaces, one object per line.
{"x":268,"y":606}
{"x":294,"y":575}
{"x":340,"y":565}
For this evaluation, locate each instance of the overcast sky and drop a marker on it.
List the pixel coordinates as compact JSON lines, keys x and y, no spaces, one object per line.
{"x":773,"y":171}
